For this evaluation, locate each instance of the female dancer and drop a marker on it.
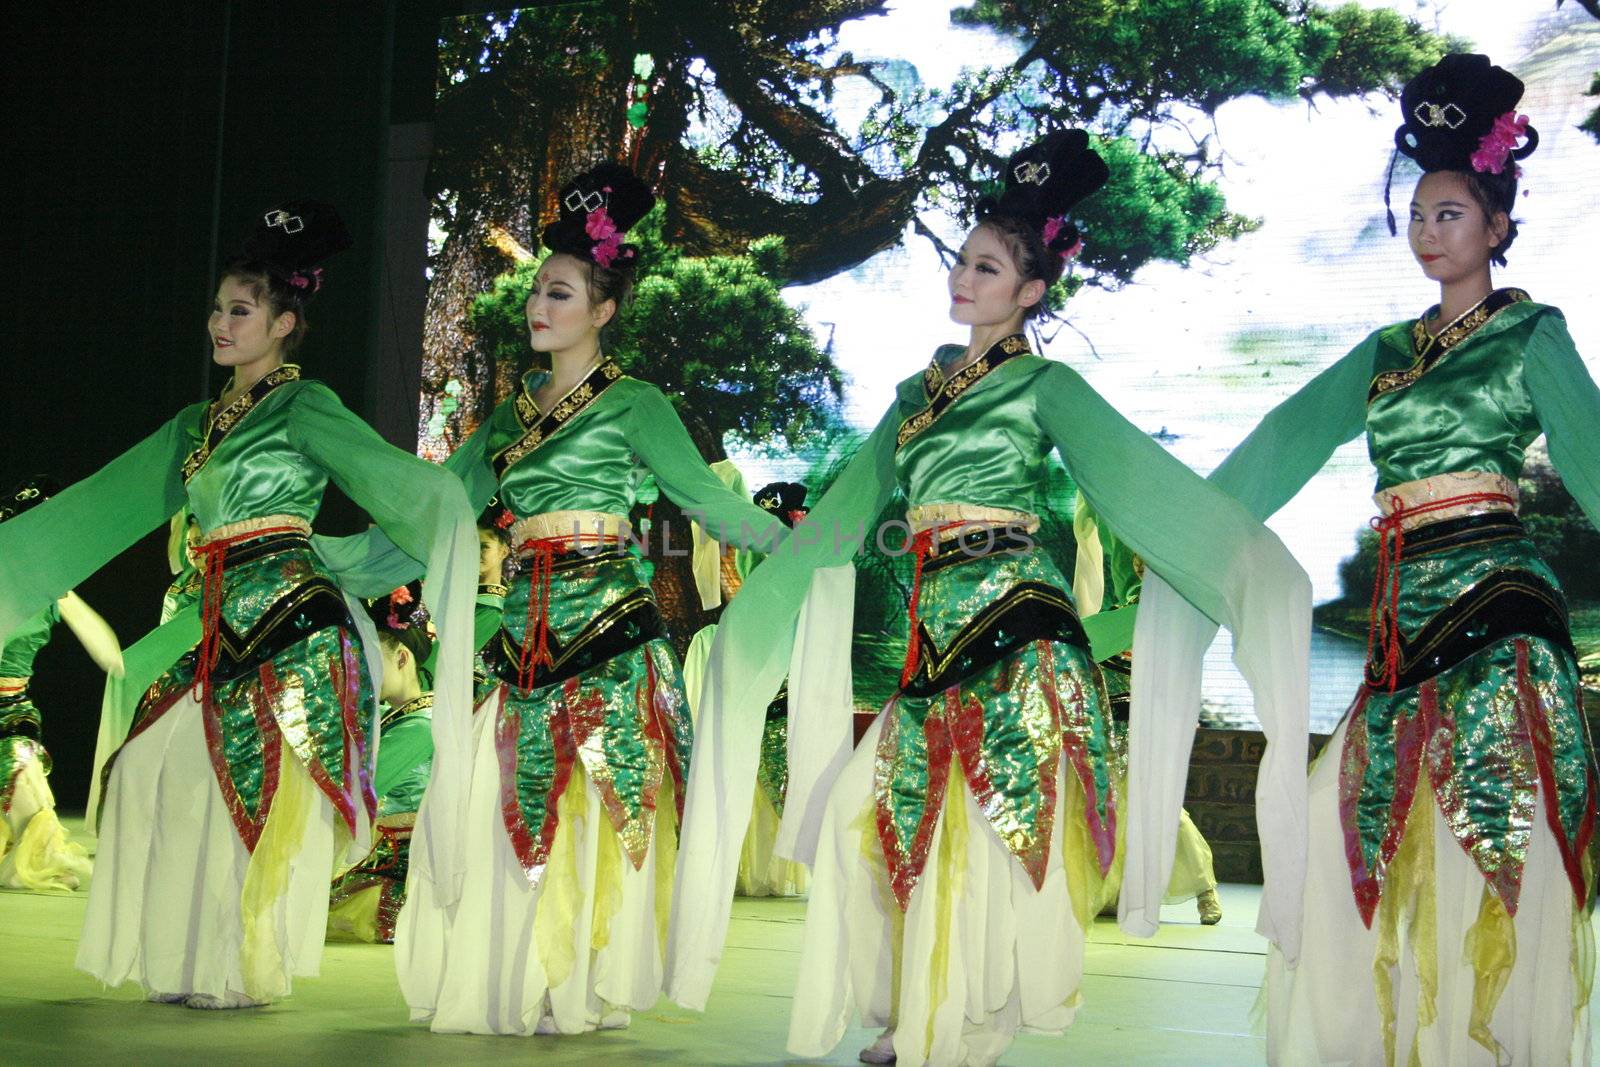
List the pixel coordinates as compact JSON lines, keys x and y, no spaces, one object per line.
{"x":34,"y":850}
{"x":367,"y":899}
{"x":583,"y":745}
{"x":963,"y":843}
{"x":248,"y":771}
{"x":1448,"y":888}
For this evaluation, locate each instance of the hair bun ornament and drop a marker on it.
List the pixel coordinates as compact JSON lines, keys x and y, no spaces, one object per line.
{"x":596,"y":209}
{"x":1460,"y":114}
{"x":1044,"y":181}
{"x":786,"y":500}
{"x":26,"y":494}
{"x":295,"y":236}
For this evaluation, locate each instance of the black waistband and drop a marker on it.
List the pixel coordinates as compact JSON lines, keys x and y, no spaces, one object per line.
{"x":19,"y":718}
{"x":1456,"y":533}
{"x":622,"y":627}
{"x":1508,"y":603}
{"x":265,"y":545}
{"x":976,"y":543}
{"x":1028,"y":611}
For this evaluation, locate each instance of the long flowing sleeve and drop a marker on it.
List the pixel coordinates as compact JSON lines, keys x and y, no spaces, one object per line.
{"x":370,"y":564}
{"x":657,"y":437}
{"x":1567,"y":404}
{"x":51,"y":548}
{"x":1285,"y":450}
{"x":1217,"y":557}
{"x":749,"y":659}
{"x":1293,"y":441}
{"x":423,"y":509}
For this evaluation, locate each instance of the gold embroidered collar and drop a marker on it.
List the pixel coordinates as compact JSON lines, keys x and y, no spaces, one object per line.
{"x":940,"y":392}
{"x":410,"y":707}
{"x":538,"y":427}
{"x":1429,"y":348}
{"x":219,"y":424}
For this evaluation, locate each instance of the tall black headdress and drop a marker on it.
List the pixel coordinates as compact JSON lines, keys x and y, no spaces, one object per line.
{"x":1045,"y":181}
{"x":786,"y":500}
{"x":294,"y":237}
{"x":1460,"y":114}
{"x":28,"y":493}
{"x":596,"y":209}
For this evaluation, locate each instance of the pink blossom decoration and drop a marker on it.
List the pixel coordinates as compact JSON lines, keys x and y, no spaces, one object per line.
{"x":1498,"y":144}
{"x":401,"y":595}
{"x":303,"y":279}
{"x":603,"y":231}
{"x":1052,"y":229}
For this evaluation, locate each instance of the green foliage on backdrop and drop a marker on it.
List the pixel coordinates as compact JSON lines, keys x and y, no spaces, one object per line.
{"x":729,"y":107}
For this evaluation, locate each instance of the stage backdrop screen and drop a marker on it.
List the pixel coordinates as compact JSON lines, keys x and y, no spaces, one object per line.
{"x":816,"y":171}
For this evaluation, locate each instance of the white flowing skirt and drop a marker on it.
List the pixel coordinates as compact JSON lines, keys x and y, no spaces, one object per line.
{"x":1326,"y":1009}
{"x":763,"y":873}
{"x":983,"y":953}
{"x":165,"y":906}
{"x":577,"y":953}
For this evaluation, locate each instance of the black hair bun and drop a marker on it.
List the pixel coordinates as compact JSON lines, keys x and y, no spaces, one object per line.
{"x":786,"y":500}
{"x":1046,"y":180}
{"x":26,"y":494}
{"x":293,"y":238}
{"x":497,"y":519}
{"x":1450,"y":109}
{"x":402,"y":615}
{"x":596,"y":209}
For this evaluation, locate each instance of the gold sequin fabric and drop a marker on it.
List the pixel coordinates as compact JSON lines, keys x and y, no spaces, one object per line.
{"x":1010,"y":725}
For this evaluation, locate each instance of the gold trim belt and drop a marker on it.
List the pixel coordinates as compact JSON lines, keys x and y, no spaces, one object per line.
{"x":569,"y":525}
{"x":13,"y":686}
{"x":924,"y":517}
{"x":233,"y":531}
{"x":1447,"y":496}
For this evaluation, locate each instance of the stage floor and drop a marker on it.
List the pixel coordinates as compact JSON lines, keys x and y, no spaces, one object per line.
{"x":1181,"y":998}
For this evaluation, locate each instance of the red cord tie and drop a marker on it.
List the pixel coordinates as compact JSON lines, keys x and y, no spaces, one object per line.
{"x":211,"y":555}
{"x":922,"y":546}
{"x":1383,"y":617}
{"x":536,"y":626}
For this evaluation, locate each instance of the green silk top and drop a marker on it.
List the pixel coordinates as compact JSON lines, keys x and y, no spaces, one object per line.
{"x":405,"y":756}
{"x":16,"y":658}
{"x":1471,"y":401}
{"x":596,"y":459}
{"x":993,"y":453}
{"x":595,"y":446}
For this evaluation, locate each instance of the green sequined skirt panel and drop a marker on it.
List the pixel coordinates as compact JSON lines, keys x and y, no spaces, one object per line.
{"x":289,"y":666}
{"x":1006,"y":687}
{"x":610,"y":695}
{"x":1486,"y":703}
{"x":385,"y":868}
{"x":21,"y":732}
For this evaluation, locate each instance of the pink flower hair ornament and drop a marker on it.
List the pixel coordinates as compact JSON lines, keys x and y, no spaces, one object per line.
{"x":1496,"y":146}
{"x":1052,"y":229}
{"x":603,"y":231}
{"x":307,"y":280}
